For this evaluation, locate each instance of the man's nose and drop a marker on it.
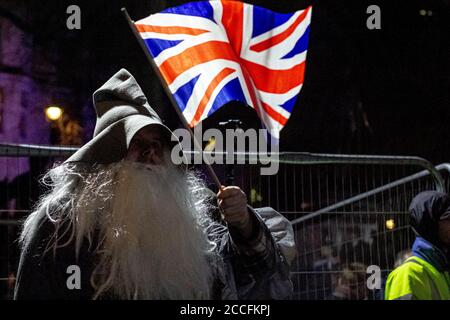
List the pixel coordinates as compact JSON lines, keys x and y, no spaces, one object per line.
{"x":151,"y":156}
{"x":148,"y":156}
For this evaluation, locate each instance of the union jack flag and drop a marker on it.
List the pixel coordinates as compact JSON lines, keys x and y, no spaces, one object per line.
{"x":214,"y":52}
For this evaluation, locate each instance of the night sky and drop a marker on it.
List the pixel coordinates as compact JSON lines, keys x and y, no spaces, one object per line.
{"x":365,"y":91}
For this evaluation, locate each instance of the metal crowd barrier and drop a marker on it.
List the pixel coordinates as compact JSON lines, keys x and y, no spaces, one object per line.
{"x":346,"y":210}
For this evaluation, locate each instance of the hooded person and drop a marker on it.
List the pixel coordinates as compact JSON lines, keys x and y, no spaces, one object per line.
{"x":425,"y":275}
{"x":122,"y":221}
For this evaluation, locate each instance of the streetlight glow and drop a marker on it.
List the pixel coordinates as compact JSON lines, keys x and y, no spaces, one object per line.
{"x":390,"y":224}
{"x":53,"y":113}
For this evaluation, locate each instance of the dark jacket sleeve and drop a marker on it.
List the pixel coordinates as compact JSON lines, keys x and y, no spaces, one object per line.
{"x":43,"y":273}
{"x":257,"y":267}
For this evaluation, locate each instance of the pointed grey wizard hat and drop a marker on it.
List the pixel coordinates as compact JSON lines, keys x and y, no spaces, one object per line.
{"x":122,"y":109}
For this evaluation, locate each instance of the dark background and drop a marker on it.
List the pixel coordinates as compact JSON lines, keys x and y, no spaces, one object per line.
{"x":365,"y":91}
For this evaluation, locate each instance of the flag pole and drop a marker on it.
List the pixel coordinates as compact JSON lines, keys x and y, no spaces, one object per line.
{"x":174,"y":104}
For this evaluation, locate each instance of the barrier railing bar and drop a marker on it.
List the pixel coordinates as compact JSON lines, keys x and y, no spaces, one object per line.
{"x":12,"y":222}
{"x":27,"y":150}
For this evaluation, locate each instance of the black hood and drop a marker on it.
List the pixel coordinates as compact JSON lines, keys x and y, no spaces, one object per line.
{"x":426,"y":209}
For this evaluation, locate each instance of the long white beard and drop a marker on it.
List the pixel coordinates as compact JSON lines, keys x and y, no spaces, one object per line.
{"x":150,"y":226}
{"x":152,"y":244}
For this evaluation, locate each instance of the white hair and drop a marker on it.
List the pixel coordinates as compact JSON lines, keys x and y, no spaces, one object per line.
{"x":148,"y":221}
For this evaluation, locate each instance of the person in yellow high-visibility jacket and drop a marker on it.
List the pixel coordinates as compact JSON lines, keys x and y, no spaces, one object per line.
{"x":425,"y":275}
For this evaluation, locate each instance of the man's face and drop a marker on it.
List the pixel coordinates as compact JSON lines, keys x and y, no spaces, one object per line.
{"x":147,"y":146}
{"x":444,"y":232}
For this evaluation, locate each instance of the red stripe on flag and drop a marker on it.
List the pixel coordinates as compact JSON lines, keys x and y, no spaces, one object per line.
{"x":266,"y":44}
{"x":232,"y":20}
{"x":266,"y":108}
{"x":169,"y":30}
{"x":206,"y":97}
{"x":251,"y":91}
{"x":204,"y":52}
{"x":274,"y":114}
{"x":275,"y":81}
